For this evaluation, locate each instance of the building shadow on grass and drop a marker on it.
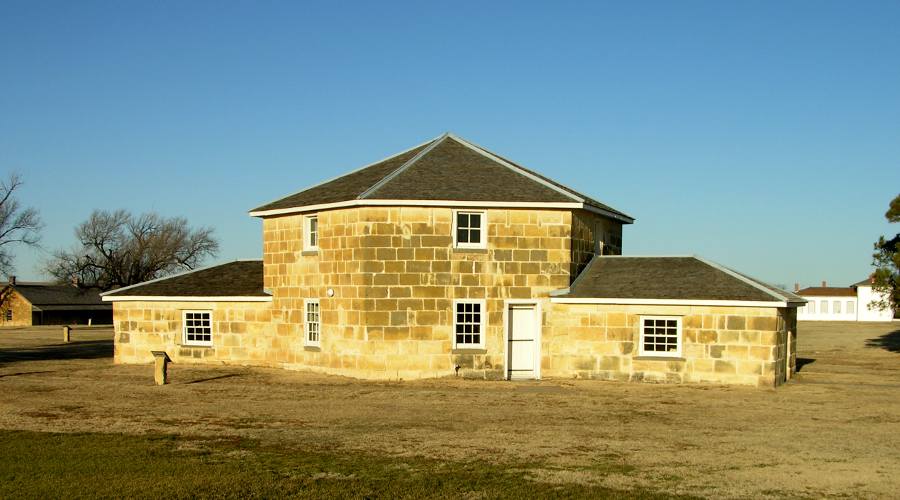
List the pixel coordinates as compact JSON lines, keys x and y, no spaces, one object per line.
{"x":87,"y":349}
{"x":888,"y":341}
{"x":801,"y":362}
{"x":219,"y":377}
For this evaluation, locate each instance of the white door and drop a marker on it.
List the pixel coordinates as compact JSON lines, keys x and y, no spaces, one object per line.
{"x":523,"y":350}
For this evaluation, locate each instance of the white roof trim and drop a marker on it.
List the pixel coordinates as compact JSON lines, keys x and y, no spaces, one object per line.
{"x":177,"y":298}
{"x":129,"y":287}
{"x":416,"y":203}
{"x":395,"y":173}
{"x":743,"y":278}
{"x":487,"y":154}
{"x":670,"y":302}
{"x":326,"y":181}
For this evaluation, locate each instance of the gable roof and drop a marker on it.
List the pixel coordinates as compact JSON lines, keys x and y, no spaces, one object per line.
{"x":670,"y":280}
{"x":232,"y":280}
{"x":445,"y":169}
{"x":43,"y":295}
{"x":828,"y":291}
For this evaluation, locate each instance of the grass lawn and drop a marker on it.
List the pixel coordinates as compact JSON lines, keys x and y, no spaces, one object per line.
{"x":52,"y":465}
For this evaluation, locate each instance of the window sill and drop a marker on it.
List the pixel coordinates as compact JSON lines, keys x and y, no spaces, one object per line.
{"x":309,"y":252}
{"x":469,"y":250}
{"x":659,"y":358}
{"x":312,"y":348}
{"x":468,"y":350}
{"x":197,"y":346}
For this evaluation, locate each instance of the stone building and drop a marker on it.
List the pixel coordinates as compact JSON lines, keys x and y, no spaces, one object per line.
{"x":34,"y":303}
{"x":449,"y":260}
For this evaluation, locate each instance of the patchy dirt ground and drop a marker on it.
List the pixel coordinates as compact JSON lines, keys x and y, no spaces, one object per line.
{"x":834,"y":430}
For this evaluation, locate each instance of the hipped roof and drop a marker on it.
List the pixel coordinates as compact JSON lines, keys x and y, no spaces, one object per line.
{"x":670,"y":278}
{"x":241,"y":278}
{"x":447,"y":168}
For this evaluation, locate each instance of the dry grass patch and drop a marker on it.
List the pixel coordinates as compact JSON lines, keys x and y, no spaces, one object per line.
{"x":830,"y":432}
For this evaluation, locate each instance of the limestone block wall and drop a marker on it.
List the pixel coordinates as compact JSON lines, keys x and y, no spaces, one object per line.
{"x":731,"y":345}
{"x":242,"y":333}
{"x":395,"y":274}
{"x":21,"y":309}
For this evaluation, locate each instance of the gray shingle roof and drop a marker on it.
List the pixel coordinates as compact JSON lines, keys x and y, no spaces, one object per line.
{"x":674,"y":278}
{"x":241,"y":278}
{"x":447,"y":168}
{"x":47,"y":294}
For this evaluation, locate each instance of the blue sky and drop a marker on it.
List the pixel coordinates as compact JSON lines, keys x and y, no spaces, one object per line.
{"x":762,"y":135}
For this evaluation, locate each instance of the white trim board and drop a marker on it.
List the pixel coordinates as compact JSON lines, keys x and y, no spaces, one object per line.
{"x":671,"y":302}
{"x":175,"y":298}
{"x":433,"y":203}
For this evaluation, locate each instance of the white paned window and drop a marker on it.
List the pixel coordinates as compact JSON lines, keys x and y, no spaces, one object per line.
{"x":660,"y":336}
{"x":468,"y":323}
{"x":197,"y":327}
{"x":313,"y":335}
{"x":837,"y":306}
{"x":470,"y":229}
{"x":811,"y":307}
{"x":823,"y":306}
{"x":311,"y":232}
{"x":851,"y":307}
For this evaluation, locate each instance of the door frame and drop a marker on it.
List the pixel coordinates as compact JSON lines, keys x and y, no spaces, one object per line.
{"x":537,"y":337}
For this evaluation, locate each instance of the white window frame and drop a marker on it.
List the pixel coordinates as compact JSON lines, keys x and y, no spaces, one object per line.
{"x":666,"y":354}
{"x":851,"y":307}
{"x":482,"y":325}
{"x":308,"y":245}
{"x":484,"y":235}
{"x":811,"y":307}
{"x":823,"y":306}
{"x":836,"y":307}
{"x":184,"y":327}
{"x":306,"y":323}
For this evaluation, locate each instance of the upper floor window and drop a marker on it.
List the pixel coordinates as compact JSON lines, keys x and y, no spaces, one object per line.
{"x":313,"y":325}
{"x":468,"y":324}
{"x":311,"y":232}
{"x":197,"y":328}
{"x":470,"y":229}
{"x":660,"y":336}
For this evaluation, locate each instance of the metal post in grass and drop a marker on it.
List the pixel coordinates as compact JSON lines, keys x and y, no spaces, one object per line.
{"x":67,"y":334}
{"x":161,"y":368}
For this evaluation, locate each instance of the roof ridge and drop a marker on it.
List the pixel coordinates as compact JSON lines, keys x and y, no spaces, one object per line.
{"x":409,"y":163}
{"x":515,"y":168}
{"x":326,"y":181}
{"x":176,"y":275}
{"x":746,"y":279}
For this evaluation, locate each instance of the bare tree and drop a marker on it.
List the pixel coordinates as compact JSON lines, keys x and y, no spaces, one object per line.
{"x":18,"y":225}
{"x":117,"y":249}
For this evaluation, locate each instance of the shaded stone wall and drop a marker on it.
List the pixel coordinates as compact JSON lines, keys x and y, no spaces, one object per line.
{"x":21,"y":309}
{"x":585,"y":228}
{"x":732,"y":345}
{"x":241,"y":333}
